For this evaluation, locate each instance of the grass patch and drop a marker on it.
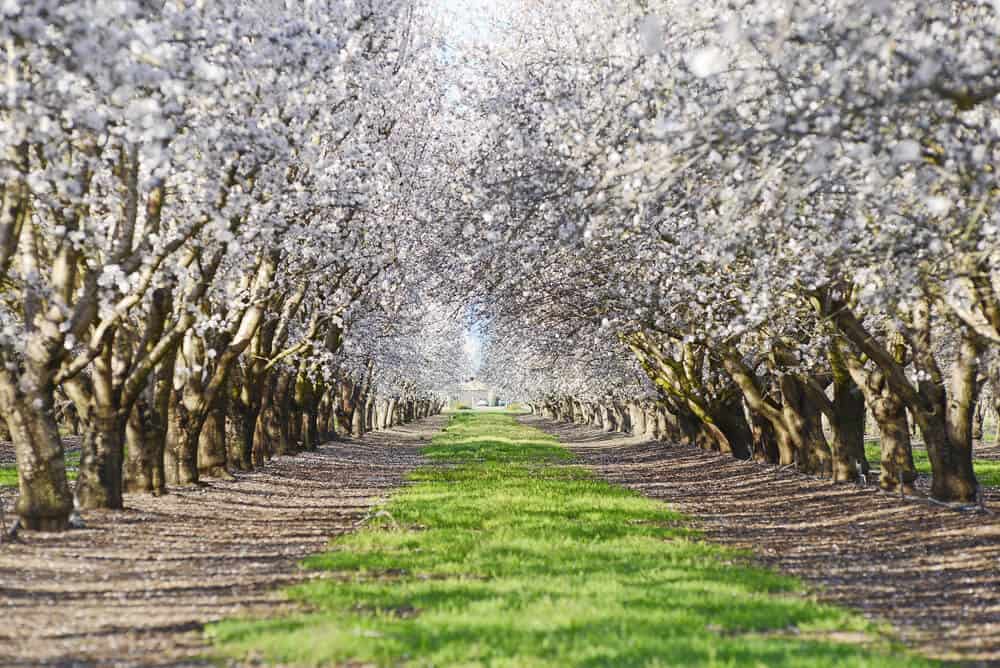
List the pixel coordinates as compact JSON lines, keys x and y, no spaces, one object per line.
{"x":506,"y":554}
{"x":987,"y":470}
{"x":8,"y":474}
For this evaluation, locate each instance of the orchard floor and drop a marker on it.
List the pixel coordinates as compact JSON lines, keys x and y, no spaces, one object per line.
{"x":135,"y":588}
{"x":933,"y":572}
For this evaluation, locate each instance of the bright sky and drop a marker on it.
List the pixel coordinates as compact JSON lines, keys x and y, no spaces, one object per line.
{"x":474,"y":348}
{"x":467,"y":20}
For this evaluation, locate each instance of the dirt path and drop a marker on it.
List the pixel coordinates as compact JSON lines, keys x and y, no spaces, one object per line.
{"x":934,"y":573}
{"x":135,"y":588}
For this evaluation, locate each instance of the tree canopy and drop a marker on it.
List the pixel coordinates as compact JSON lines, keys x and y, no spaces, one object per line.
{"x":231,"y":228}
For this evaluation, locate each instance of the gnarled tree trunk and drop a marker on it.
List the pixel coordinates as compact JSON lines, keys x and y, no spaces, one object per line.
{"x":212,"y":455}
{"x":180,"y":456}
{"x":44,"y":501}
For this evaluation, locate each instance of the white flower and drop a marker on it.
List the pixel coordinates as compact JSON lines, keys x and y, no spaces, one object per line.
{"x":651,"y":35}
{"x":906,"y":151}
{"x":938,"y":206}
{"x":210,"y":72}
{"x":708,"y":61}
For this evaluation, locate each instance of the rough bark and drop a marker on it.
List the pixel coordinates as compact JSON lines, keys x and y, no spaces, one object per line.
{"x":765,"y":443}
{"x":98,"y":401}
{"x":99,"y":482}
{"x":146,"y":432}
{"x":358,"y":419}
{"x":44,"y":501}
{"x":241,"y":417}
{"x":271,"y":433}
{"x":897,"y":472}
{"x":941,"y":406}
{"x":949,"y":441}
{"x":803,"y":420}
{"x":180,"y":456}
{"x":848,"y":424}
{"x":212,"y":451}
{"x":764,"y":408}
{"x":145,"y":435}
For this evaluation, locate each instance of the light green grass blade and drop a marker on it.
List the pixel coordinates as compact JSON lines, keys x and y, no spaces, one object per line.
{"x":504,"y":554}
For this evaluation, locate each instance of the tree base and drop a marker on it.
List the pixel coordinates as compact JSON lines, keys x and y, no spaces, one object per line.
{"x":217,"y":472}
{"x":49,"y":524}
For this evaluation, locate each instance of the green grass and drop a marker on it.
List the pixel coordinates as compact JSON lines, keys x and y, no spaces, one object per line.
{"x":506,"y":554}
{"x":987,"y":471}
{"x":8,"y":474}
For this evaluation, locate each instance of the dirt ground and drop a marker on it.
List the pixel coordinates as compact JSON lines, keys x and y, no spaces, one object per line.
{"x":933,"y":572}
{"x":135,"y":588}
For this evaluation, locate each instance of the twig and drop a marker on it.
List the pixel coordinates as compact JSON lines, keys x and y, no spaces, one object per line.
{"x":378,"y":513}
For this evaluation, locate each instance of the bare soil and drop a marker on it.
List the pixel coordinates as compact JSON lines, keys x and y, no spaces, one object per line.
{"x":933,"y":572}
{"x":136,"y":587}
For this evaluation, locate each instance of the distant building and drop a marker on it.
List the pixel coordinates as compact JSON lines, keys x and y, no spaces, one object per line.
{"x":471,"y":393}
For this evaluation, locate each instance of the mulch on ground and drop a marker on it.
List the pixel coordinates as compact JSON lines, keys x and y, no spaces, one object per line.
{"x":934,"y":573}
{"x":136,"y":587}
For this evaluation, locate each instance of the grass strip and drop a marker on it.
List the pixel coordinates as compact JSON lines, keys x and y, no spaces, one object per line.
{"x":505,"y":554}
{"x":987,"y":470}
{"x":8,"y":473}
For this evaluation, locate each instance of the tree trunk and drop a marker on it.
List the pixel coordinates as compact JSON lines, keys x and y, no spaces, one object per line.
{"x":358,"y":420}
{"x":765,"y":443}
{"x":637,"y":419}
{"x":241,"y":418}
{"x":310,"y":427}
{"x":44,"y":501}
{"x":370,"y":403}
{"x":666,"y":425}
{"x":239,"y":436}
{"x":326,"y":424}
{"x":307,"y":401}
{"x":947,"y":429}
{"x":145,"y":434}
{"x":99,"y":482}
{"x":295,"y":422}
{"x":651,"y":432}
{"x":804,"y":428}
{"x":180,"y":456}
{"x":848,"y":424}
{"x":393,"y":402}
{"x":273,"y":434}
{"x":731,"y":431}
{"x":786,"y":424}
{"x":346,"y":407}
{"x":897,"y":472}
{"x":262,"y":449}
{"x":978,"y":418}
{"x":212,"y":441}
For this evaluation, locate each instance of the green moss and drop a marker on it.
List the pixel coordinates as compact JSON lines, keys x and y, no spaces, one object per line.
{"x":508,"y":555}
